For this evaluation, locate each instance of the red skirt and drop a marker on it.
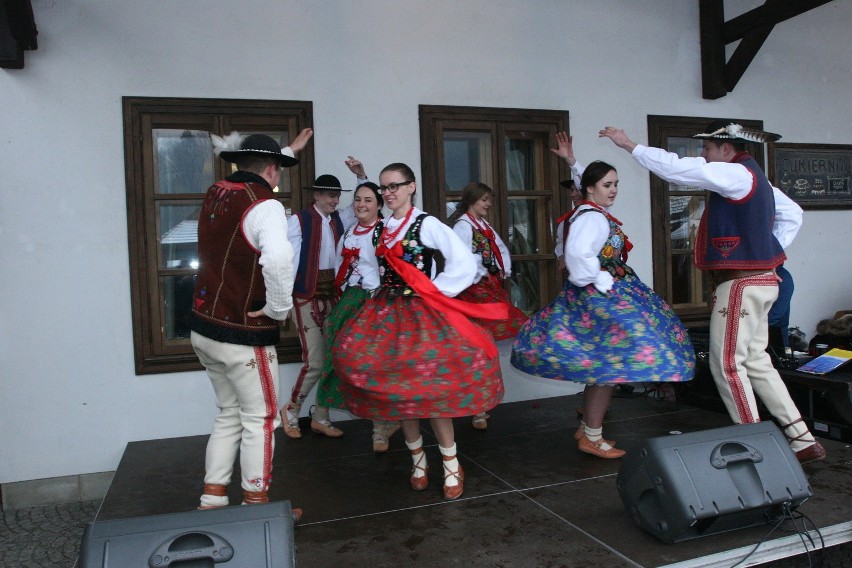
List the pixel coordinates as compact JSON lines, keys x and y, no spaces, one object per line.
{"x":487,"y":290}
{"x":399,"y":359}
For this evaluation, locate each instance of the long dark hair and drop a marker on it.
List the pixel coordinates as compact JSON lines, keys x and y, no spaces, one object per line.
{"x":594,"y":173}
{"x":471,"y":193}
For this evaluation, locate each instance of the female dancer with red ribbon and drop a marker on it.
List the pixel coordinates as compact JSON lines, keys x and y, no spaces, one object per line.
{"x":357,"y":278}
{"x":412,"y":351}
{"x":493,"y":265}
{"x":605,"y":327}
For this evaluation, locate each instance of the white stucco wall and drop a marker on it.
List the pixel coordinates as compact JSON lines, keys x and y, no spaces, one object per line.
{"x":69,"y":398}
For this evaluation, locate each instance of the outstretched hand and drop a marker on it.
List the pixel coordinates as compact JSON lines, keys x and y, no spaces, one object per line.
{"x":356,"y":167}
{"x":619,"y":137}
{"x":565,"y":147}
{"x":299,"y":143}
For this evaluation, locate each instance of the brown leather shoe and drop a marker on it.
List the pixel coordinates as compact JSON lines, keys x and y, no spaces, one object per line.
{"x":580,"y":432}
{"x":814,"y":452}
{"x":326,"y":429}
{"x":594,"y":448}
{"x":291,"y":428}
{"x":480,"y":421}
{"x":453,"y":491}
{"x":419,"y":483}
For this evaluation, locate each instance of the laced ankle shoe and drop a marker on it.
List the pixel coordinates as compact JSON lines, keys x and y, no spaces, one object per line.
{"x":291,"y":425}
{"x":326,"y":428}
{"x":808,"y":454}
{"x":453,"y":491}
{"x":580,"y":432}
{"x":594,"y":448}
{"x":419,"y":482}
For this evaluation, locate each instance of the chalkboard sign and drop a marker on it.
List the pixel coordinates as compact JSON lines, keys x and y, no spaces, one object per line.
{"x":816,"y":176}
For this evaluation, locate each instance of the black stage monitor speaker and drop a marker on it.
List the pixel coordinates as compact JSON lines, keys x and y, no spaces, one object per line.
{"x":685,"y":486}
{"x":248,"y":536}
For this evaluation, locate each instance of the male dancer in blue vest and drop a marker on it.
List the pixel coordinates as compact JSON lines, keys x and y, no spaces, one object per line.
{"x":314,"y":232}
{"x":243,"y":289}
{"x":737,"y":246}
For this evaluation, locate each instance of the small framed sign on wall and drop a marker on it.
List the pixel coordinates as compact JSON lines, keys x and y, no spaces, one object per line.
{"x":816,"y":176}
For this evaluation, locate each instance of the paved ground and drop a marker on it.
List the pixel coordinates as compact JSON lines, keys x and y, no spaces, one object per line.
{"x":50,"y":537}
{"x":44,"y":536}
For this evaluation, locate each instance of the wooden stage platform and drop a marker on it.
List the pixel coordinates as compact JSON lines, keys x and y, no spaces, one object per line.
{"x":531,"y":498}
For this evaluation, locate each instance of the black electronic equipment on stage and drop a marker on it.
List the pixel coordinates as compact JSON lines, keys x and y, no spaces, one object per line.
{"x":231,"y":537}
{"x":685,"y":486}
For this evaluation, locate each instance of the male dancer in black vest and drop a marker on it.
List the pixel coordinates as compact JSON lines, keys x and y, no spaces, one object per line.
{"x":243,"y":289}
{"x":736,"y":244}
{"x":313,"y":233}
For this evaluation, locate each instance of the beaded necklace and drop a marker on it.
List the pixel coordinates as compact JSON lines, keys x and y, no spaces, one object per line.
{"x":364,"y":230}
{"x":388,"y":237}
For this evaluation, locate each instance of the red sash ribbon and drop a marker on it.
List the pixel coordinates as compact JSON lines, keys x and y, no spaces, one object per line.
{"x":456,"y":311}
{"x":348,"y":255}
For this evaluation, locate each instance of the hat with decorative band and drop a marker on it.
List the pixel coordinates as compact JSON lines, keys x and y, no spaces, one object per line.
{"x":234,"y":147}
{"x":327,"y":182}
{"x":567,"y":183}
{"x":726,"y":130}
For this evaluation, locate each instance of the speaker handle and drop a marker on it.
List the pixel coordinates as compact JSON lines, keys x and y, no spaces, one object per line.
{"x":219,"y":550}
{"x":719,"y":461}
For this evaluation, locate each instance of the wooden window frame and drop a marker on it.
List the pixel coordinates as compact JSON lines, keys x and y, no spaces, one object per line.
{"x":660,"y":129}
{"x":435,"y":118}
{"x":153,"y":354}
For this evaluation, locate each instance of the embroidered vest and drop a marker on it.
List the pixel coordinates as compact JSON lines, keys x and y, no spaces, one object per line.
{"x":737,"y":235}
{"x":305,"y":284}
{"x":229,"y":281}
{"x":482,"y":246}
{"x":413,"y":253}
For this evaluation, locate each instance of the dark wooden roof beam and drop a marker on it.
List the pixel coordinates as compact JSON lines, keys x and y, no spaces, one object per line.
{"x":719,"y":77}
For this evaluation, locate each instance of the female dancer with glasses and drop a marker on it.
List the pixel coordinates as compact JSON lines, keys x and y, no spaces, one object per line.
{"x":357,"y":278}
{"x":493,"y":265}
{"x":412,"y":352}
{"x":605,"y":327}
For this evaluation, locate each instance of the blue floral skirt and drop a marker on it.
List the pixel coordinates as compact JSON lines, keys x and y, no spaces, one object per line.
{"x":628,"y":335}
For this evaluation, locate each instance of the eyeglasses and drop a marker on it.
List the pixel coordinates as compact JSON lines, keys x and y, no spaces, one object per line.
{"x":393,"y":187}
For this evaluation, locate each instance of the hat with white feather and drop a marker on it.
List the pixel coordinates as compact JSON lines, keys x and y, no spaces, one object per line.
{"x":726,"y":130}
{"x":236,"y":146}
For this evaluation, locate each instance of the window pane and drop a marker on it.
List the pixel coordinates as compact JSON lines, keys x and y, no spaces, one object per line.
{"x":689,"y":285}
{"x":451,"y":208}
{"x":467,"y":158}
{"x":684,"y":215}
{"x":177,"y":302}
{"x":524,"y":160}
{"x":524,"y":231}
{"x":178,"y":235}
{"x":526,"y":285}
{"x":184,"y":160}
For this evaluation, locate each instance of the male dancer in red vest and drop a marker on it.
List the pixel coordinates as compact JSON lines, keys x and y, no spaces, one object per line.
{"x":313,"y":233}
{"x":737,"y":246}
{"x":242,"y":290}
